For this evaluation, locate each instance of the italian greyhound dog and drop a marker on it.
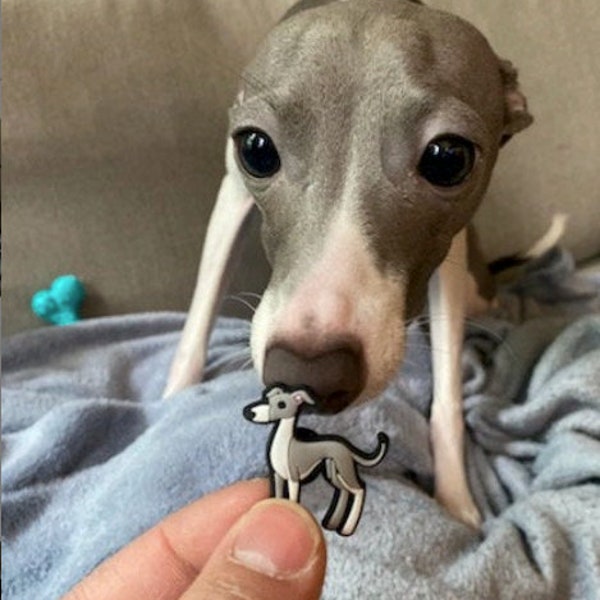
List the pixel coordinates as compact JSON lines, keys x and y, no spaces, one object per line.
{"x":298,"y":455}
{"x":365,"y":132}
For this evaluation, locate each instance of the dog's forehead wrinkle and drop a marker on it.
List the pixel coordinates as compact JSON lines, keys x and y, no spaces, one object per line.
{"x":334,"y":46}
{"x":382,"y":40}
{"x":346,"y":79}
{"x":317,"y":99}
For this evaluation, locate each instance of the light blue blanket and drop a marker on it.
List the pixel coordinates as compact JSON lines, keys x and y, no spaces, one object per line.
{"x":92,"y":457}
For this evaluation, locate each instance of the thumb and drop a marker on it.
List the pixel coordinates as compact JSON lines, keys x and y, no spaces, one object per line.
{"x":275,"y":551}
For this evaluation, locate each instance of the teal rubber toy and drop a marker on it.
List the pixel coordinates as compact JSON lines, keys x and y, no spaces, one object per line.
{"x":59,"y":305}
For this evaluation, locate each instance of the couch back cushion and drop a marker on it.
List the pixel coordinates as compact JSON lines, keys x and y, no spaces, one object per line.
{"x":114,"y":122}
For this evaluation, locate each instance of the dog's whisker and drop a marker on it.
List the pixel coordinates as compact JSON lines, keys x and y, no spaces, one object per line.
{"x":409,"y":362}
{"x":256,"y":85}
{"x":251,"y":295}
{"x":417,"y":320}
{"x":246,"y":364}
{"x":243,"y":302}
{"x":473,"y":323}
{"x":478,"y":325}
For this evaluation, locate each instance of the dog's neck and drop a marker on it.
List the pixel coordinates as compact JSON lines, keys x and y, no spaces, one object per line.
{"x":285,"y":428}
{"x":280,"y":445}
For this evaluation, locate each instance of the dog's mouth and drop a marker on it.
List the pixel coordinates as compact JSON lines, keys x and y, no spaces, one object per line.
{"x":331,"y":404}
{"x":335,"y":403}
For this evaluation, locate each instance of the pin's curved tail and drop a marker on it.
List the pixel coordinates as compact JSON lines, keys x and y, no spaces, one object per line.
{"x":374,"y":458}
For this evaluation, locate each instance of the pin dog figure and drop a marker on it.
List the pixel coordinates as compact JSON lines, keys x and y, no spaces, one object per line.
{"x":297,"y":455}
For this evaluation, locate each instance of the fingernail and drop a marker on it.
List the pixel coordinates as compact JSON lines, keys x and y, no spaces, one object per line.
{"x":276,"y":539}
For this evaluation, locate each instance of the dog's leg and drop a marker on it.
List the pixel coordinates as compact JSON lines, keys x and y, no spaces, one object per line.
{"x":337,"y":509}
{"x":358,"y":499}
{"x":278,"y":485}
{"x":341,"y":498}
{"x":447,"y":303}
{"x":225,"y":227}
{"x":294,"y":490}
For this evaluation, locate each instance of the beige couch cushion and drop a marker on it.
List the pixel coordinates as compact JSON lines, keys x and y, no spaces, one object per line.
{"x":115,"y":116}
{"x":114,"y":121}
{"x":552,"y":166}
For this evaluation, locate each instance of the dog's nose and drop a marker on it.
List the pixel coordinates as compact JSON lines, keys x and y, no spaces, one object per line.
{"x":335,"y":376}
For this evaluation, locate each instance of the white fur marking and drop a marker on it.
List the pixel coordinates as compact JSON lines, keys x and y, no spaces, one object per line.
{"x":342,"y":294}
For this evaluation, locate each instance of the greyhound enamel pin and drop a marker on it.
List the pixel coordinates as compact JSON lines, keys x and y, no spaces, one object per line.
{"x":297,"y":455}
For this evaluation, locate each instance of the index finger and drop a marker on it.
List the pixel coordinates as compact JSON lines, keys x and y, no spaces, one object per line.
{"x":165,"y":560}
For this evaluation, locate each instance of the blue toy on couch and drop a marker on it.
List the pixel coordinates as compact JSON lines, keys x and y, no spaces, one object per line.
{"x":60,"y":304}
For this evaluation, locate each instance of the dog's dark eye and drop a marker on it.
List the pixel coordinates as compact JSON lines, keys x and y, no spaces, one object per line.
{"x":257,"y":153}
{"x":447,"y":160}
{"x":281,"y":404}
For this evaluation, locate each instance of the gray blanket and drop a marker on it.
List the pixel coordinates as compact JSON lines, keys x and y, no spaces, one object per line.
{"x":92,"y":457}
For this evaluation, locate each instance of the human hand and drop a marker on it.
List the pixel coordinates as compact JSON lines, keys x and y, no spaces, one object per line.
{"x":231,"y":544}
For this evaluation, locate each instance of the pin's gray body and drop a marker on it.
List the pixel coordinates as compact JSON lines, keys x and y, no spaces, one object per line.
{"x":351,"y":91}
{"x":294,"y":460}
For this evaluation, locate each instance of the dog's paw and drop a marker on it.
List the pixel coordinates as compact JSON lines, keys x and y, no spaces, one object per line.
{"x":60,"y":303}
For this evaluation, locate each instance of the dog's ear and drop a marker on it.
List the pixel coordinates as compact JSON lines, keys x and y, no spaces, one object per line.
{"x":516,"y":115}
{"x":301,"y":396}
{"x":272,"y":391}
{"x":226,"y":226}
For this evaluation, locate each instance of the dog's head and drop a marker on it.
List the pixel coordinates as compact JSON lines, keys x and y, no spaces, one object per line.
{"x":366,"y":131}
{"x":277,"y":403}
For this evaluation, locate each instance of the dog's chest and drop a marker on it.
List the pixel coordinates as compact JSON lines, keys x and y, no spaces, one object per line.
{"x":280,"y":448}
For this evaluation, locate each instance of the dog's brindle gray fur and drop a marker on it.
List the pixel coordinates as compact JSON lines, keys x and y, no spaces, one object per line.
{"x":294,"y":461}
{"x":348,"y":92}
{"x":340,"y":84}
{"x":351,"y":92}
